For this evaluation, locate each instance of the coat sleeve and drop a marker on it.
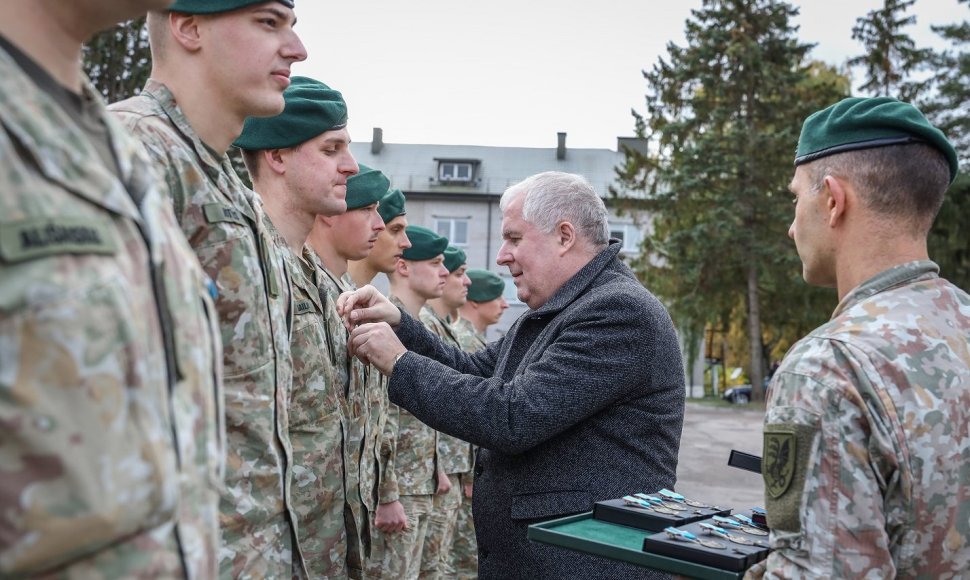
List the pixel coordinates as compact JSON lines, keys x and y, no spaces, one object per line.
{"x":416,"y":337}
{"x":603,"y":356}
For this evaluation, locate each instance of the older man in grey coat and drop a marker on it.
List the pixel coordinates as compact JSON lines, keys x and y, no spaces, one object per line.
{"x":582,"y":400}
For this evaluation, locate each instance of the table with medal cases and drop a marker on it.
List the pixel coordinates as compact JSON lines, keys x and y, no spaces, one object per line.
{"x":664,"y":531}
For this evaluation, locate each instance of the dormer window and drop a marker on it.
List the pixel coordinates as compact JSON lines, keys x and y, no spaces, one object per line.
{"x":457,"y":171}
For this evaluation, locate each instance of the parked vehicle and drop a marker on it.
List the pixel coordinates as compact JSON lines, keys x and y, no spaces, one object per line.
{"x":740,"y":395}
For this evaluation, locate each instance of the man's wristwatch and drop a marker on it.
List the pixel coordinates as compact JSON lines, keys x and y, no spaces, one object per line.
{"x":397,"y":358}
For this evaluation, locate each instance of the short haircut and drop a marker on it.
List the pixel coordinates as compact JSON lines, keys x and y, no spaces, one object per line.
{"x":904,"y":182}
{"x":251,"y":159}
{"x":554,"y":197}
{"x":157,"y":24}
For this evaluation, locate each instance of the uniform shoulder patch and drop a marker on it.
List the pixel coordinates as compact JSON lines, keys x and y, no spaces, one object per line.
{"x":779,"y":462}
{"x":39,"y":237}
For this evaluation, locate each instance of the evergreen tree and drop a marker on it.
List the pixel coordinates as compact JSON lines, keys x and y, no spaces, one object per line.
{"x":118,"y":60}
{"x":890,"y":54}
{"x":948,"y":106}
{"x":723,"y":115}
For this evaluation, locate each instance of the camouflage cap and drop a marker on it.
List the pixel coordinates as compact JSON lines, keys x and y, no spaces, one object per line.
{"x":367,"y":187}
{"x":485,"y":285}
{"x":864,"y":123}
{"x":392,"y":205}
{"x":454,"y":258}
{"x":312,"y":108}
{"x":216,"y":6}
{"x":425,"y":244}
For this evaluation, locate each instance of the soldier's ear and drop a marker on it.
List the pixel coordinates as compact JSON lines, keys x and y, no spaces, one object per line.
{"x":184,"y":29}
{"x":401,"y":268}
{"x":836,"y":197}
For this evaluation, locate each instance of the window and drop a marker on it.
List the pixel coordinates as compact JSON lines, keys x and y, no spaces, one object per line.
{"x":629,"y":234}
{"x":455,"y":171}
{"x":455,"y":229}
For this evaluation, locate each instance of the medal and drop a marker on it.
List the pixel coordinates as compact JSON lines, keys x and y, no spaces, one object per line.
{"x":686,"y":536}
{"x":657,"y":501}
{"x":753,"y":531}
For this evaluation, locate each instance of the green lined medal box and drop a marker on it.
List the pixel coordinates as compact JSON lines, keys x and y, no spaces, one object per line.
{"x":583,"y":533}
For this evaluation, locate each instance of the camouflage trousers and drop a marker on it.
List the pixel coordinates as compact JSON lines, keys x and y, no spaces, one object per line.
{"x":441,"y":528}
{"x":397,"y":555}
{"x":463,"y":563}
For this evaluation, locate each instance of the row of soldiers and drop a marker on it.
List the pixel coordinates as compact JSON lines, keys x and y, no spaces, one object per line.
{"x":176,"y":393}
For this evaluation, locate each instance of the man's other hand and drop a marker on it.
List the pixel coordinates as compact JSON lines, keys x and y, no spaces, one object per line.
{"x":366,"y":304}
{"x":376,"y":343}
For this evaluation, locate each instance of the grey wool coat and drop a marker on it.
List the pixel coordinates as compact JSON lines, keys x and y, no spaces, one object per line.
{"x":582,"y":400}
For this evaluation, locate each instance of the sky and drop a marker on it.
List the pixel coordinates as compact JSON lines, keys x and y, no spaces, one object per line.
{"x":514,"y":73}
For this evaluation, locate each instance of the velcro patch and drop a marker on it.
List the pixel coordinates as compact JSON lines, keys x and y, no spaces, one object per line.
{"x":35,"y":238}
{"x":787,"y":449}
{"x":220,"y":212}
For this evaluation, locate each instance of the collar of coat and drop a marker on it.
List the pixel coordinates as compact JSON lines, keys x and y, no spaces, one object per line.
{"x":580,"y":281}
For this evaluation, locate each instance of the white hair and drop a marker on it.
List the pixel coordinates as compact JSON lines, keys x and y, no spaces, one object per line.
{"x":554,"y":197}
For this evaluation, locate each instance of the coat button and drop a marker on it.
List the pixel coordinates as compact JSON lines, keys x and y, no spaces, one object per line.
{"x":479,"y":469}
{"x":483,"y":553}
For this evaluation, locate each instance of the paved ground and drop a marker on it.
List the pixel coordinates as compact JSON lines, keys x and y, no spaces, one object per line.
{"x":710,"y":433}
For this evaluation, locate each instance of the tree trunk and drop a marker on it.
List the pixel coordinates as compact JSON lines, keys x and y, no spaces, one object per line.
{"x":754,"y":335}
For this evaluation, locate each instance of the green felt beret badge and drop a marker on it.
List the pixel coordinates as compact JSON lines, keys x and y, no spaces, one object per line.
{"x":425,"y":244}
{"x":392,"y":205}
{"x":367,"y":187}
{"x":312,"y":108}
{"x":454,"y":258}
{"x":865,"y":123}
{"x":485,"y":285}
{"x":216,"y":6}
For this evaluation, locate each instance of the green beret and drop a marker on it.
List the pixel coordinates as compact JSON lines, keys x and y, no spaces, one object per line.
{"x":312,"y":108}
{"x":425,"y":244}
{"x":392,"y":205}
{"x":454,"y":258}
{"x":865,"y":123}
{"x":485,"y":285}
{"x":214,"y":6}
{"x":367,"y":187}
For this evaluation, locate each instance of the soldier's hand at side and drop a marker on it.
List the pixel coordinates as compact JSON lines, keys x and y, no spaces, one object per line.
{"x":376,"y":344}
{"x":366,"y":304}
{"x":467,"y":488}
{"x":444,"y":483}
{"x":390,"y":517}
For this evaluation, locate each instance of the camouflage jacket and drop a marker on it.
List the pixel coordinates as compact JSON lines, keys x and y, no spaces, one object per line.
{"x":414,"y":453}
{"x":111,"y":433}
{"x":470,"y":340}
{"x":317,"y":426}
{"x":867,"y":436}
{"x":351,"y":378}
{"x":226,"y":227}
{"x":454,"y":455}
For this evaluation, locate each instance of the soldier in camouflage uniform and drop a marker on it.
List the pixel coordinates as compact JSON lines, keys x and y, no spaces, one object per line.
{"x":455,"y":455}
{"x":387,"y":512}
{"x":419,"y":276}
{"x":867,"y":433}
{"x":336,"y":239}
{"x":300,"y":162}
{"x":483,"y":308}
{"x":390,"y":244}
{"x":111,"y":433}
{"x":186,"y":127}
